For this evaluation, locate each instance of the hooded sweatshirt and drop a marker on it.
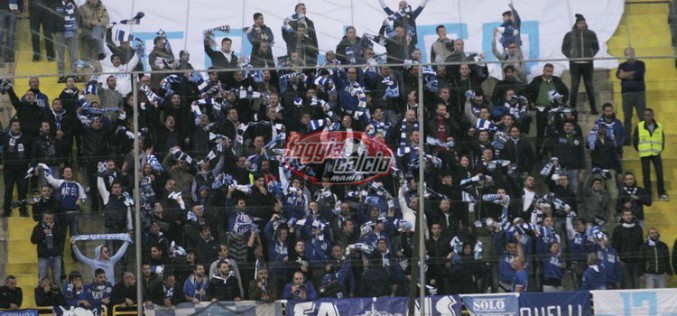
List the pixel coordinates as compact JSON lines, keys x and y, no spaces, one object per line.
{"x":593,"y":279}
{"x":107,"y":265}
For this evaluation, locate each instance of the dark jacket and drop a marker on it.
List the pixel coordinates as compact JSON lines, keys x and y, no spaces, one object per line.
{"x":535,"y":85}
{"x":94,"y":145}
{"x":52,"y":204}
{"x":12,"y":156}
{"x":51,"y":298}
{"x":568,"y":149}
{"x":656,"y":258}
{"x":219,"y":61}
{"x":40,"y":239}
{"x":580,"y":44}
{"x":223,"y":289}
{"x":115,"y":214}
{"x":45,"y":149}
{"x":376,"y":282}
{"x":520,"y":153}
{"x":604,"y":155}
{"x":398,"y":50}
{"x":158,"y":294}
{"x":121,"y":293}
{"x":8,"y":296}
{"x":29,"y":114}
{"x":342,"y":50}
{"x":627,"y":239}
{"x":638,"y":205}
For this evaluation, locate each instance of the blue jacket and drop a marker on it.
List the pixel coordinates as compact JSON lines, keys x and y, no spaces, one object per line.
{"x":68,"y":192}
{"x":610,"y":263}
{"x":192,"y":289}
{"x":614,"y":129}
{"x":277,"y":251}
{"x":311,"y":295}
{"x":593,"y":279}
{"x":552,"y":268}
{"x":72,"y":296}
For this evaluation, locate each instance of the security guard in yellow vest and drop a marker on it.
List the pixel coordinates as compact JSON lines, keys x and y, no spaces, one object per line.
{"x":649,"y":141}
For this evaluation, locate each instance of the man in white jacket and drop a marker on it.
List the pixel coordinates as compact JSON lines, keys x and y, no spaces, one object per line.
{"x":112,"y":66}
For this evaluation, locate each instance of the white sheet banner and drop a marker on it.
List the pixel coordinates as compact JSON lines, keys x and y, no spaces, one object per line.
{"x":544,"y":23}
{"x":659,"y":302}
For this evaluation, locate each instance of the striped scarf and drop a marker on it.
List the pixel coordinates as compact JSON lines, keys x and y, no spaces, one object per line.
{"x":403,"y":148}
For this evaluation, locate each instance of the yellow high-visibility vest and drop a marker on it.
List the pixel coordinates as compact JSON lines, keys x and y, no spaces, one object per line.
{"x":650,"y":144}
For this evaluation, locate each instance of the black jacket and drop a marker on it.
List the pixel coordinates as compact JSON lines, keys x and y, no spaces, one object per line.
{"x":94,"y":145}
{"x":568,"y":149}
{"x":40,"y":239}
{"x":535,"y":85}
{"x":45,"y":149}
{"x":624,"y":194}
{"x":656,"y":258}
{"x":51,"y":298}
{"x":115,"y":214}
{"x":223,"y":289}
{"x":375,"y":282}
{"x":8,"y":296}
{"x":158,"y":294}
{"x":604,"y":156}
{"x":520,"y":153}
{"x":580,"y":44}
{"x":13,"y":156}
{"x":627,"y":241}
{"x":29,"y":114}
{"x":121,"y":293}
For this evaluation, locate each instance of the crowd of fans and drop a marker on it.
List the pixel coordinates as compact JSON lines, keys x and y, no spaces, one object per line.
{"x":224,"y":218}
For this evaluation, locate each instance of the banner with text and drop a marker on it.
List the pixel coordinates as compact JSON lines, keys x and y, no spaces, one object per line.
{"x":435,"y":305}
{"x":556,"y":304}
{"x":658,"y":302}
{"x":491,"y":304}
{"x":20,"y":312}
{"x":544,"y":24}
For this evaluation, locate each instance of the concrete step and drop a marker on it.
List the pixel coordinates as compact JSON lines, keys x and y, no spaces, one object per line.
{"x":636,"y":33}
{"x":645,"y":19}
{"x":646,"y":9}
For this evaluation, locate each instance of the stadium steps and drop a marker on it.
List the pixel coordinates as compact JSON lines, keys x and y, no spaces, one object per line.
{"x":644,"y":25}
{"x":21,"y":256}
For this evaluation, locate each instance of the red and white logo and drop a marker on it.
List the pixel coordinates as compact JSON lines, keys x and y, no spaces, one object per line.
{"x":342,"y":157}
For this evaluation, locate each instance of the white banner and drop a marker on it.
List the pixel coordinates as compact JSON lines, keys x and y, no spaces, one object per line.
{"x":659,"y":302}
{"x":544,"y":23}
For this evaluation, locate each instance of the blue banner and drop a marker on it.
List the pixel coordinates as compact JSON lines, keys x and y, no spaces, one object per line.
{"x":491,"y":304}
{"x":561,"y":303}
{"x":434,"y":305}
{"x":20,"y":312}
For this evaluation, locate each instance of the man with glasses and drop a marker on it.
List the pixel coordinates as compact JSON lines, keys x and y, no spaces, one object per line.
{"x":124,"y":292}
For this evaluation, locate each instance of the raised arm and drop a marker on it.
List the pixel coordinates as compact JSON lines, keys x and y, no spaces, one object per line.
{"x":121,"y":252}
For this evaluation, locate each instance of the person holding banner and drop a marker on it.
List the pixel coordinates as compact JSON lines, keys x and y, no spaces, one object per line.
{"x":224,"y":58}
{"x":103,"y":258}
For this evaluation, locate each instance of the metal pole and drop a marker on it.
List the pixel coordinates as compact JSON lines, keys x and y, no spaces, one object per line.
{"x":137,"y":205}
{"x":421,"y":192}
